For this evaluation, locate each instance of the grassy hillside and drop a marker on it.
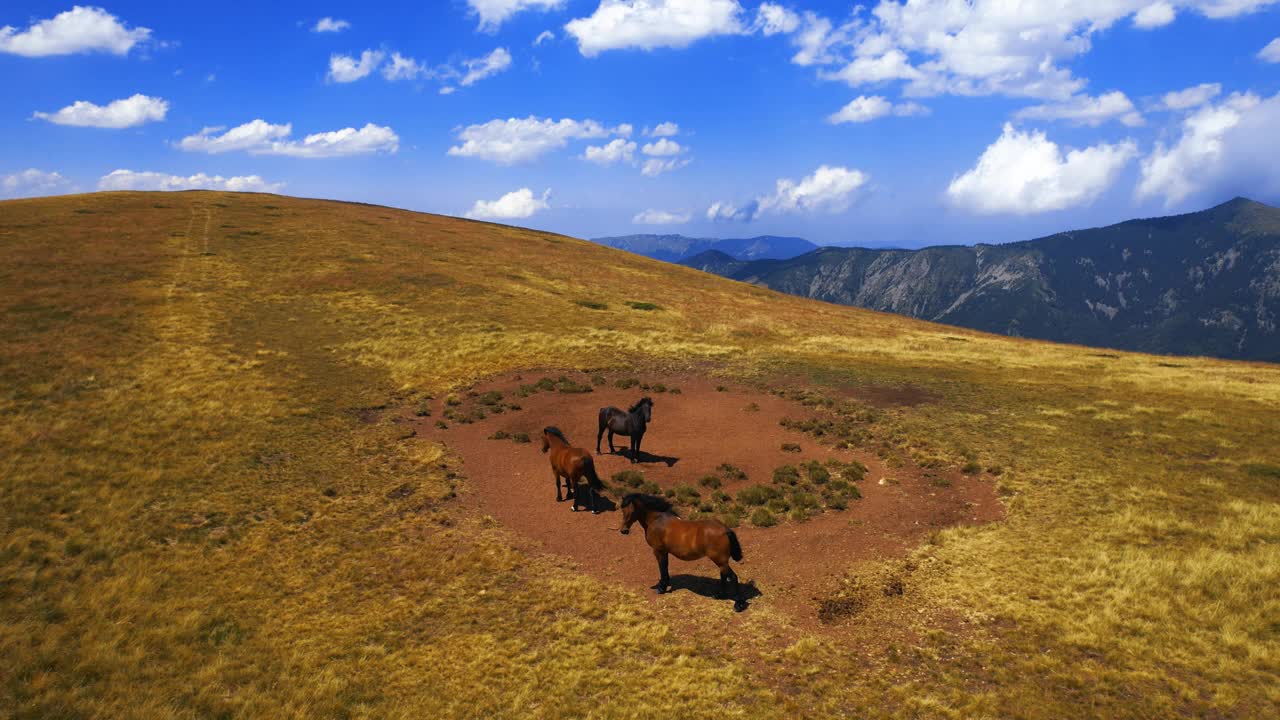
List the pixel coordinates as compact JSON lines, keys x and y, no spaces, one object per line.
{"x":198,"y":518}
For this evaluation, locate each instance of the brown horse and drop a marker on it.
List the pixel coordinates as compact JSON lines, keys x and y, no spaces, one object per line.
{"x":573,"y":464}
{"x":667,"y":534}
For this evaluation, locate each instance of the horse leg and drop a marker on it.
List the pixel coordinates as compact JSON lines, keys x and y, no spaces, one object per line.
{"x":664,"y":579}
{"x":556,"y":475}
{"x":600,"y":434}
{"x":739,"y":603}
{"x":573,"y":482}
{"x":612,"y":450}
{"x":635,"y":447}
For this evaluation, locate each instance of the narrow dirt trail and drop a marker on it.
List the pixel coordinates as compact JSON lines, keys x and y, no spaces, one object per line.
{"x":692,"y":433}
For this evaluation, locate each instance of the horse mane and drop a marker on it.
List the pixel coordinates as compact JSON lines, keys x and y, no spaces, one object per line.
{"x":642,"y":401}
{"x":648,"y":502}
{"x":553,"y":430}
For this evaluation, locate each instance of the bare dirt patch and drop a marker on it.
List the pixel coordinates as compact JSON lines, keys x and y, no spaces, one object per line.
{"x":705,"y":423}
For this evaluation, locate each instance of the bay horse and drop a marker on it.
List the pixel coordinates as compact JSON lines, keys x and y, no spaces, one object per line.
{"x":631,"y":423}
{"x":668,"y":534}
{"x":573,"y":464}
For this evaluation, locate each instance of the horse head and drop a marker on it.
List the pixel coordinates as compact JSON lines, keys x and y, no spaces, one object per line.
{"x":645,"y":408}
{"x":550,"y":432}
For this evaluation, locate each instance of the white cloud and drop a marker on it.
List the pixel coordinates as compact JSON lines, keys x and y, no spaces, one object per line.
{"x":1271,"y":53}
{"x":328,"y":24}
{"x":78,"y":30}
{"x":130,"y":180}
{"x":662,"y":147}
{"x":661,"y":217}
{"x":867,"y":108}
{"x":619,"y":150}
{"x":774,"y":19}
{"x":259,"y":137}
{"x":129,"y":112}
{"x":517,"y":140}
{"x":345,"y":69}
{"x":1086,"y":110}
{"x":400,"y":67}
{"x":33,"y":182}
{"x":1224,"y":148}
{"x":482,"y":67}
{"x":1025,"y":172}
{"x":663,"y":129}
{"x":654,"y":167}
{"x":544,"y":36}
{"x":649,"y":24}
{"x":1157,"y":14}
{"x":1194,"y":96}
{"x":1017,"y":49}
{"x":828,"y":189}
{"x":493,"y":13}
{"x":892,"y":65}
{"x":515,"y":204}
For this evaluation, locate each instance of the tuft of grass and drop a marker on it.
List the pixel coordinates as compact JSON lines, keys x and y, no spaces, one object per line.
{"x":791,"y":447}
{"x":636,"y":305}
{"x":592,"y":304}
{"x":709,"y":481}
{"x":761,"y":517}
{"x":628,"y":478}
{"x":731,"y":472}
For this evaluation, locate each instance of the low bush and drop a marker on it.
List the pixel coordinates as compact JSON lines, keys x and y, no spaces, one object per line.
{"x":763,"y":518}
{"x":709,"y":481}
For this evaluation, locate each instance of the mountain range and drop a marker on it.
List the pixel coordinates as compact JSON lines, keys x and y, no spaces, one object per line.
{"x":674,"y":248}
{"x":1203,"y":283}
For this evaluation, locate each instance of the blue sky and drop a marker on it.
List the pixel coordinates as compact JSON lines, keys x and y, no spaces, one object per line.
{"x":890,"y":123}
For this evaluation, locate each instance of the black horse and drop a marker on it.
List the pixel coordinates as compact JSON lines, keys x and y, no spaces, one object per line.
{"x":631,"y":423}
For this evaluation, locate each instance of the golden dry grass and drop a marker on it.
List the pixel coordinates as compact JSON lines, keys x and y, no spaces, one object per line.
{"x":198,"y":520}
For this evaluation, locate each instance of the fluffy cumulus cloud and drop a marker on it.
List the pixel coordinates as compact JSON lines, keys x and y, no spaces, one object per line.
{"x":129,"y":112}
{"x":493,"y":13}
{"x":328,"y":24}
{"x":517,"y":140}
{"x":130,"y":180}
{"x":1086,"y":110}
{"x":259,"y":137}
{"x":1019,"y":49}
{"x":661,"y":217}
{"x":1270,"y":53}
{"x":829,"y":189}
{"x":663,"y":157}
{"x":867,"y":108}
{"x":649,"y":24}
{"x":1224,"y":148}
{"x":663,"y":129}
{"x":32,"y":182}
{"x":400,"y":67}
{"x":78,"y":30}
{"x":774,"y":19}
{"x":1024,"y":173}
{"x":1157,"y":14}
{"x":619,"y":150}
{"x":1191,"y":97}
{"x":345,"y":69}
{"x":516,"y":204}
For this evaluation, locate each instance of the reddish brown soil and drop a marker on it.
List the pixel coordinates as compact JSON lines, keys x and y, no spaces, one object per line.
{"x":691,"y":434}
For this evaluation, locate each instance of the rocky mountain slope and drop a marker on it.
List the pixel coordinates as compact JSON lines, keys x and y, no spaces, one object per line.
{"x":1204,"y":283}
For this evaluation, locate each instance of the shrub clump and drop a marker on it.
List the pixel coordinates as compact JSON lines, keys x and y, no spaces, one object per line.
{"x":791,"y":447}
{"x":731,"y":472}
{"x":628,"y":478}
{"x":757,"y":494}
{"x":521,"y":437}
{"x":786,"y":475}
{"x":709,"y":481}
{"x":763,"y":518}
{"x":626,"y":383}
{"x":500,"y":435}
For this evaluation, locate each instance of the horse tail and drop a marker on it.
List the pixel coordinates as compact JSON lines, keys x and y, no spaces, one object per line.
{"x":589,"y":470}
{"x":735,"y":549}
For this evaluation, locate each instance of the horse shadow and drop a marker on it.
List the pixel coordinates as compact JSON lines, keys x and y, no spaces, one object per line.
{"x":647,"y":457}
{"x":709,"y":587}
{"x":603,"y":502}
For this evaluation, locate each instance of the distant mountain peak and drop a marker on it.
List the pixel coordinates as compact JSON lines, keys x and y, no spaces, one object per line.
{"x":675,"y":248}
